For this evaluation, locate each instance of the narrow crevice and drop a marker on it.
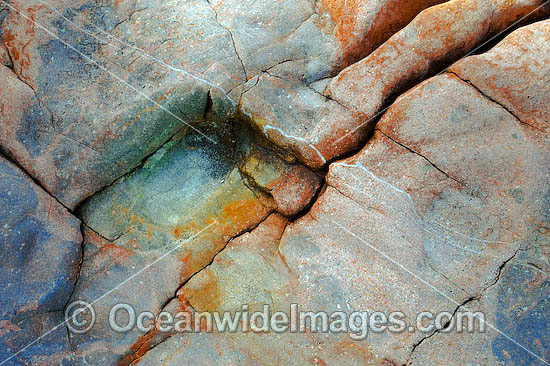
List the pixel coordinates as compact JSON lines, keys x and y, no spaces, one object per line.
{"x":232,"y":38}
{"x":79,"y":264}
{"x":133,"y":356}
{"x":466,"y":302}
{"x":469,"y":83}
{"x":437,"y":331}
{"x":209,"y":105}
{"x":12,"y":68}
{"x":251,"y":183}
{"x":139,"y":350}
{"x":87,"y":226}
{"x":266,"y":70}
{"x":328,"y":97}
{"x":129,"y":17}
{"x":422,"y":156}
{"x":306,"y":210}
{"x":345,"y":195}
{"x":241,"y":233}
{"x":500,"y":271}
{"x":4,"y":154}
{"x":10,"y":59}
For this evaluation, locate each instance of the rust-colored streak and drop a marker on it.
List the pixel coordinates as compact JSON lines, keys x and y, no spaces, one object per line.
{"x":118,"y":253}
{"x":17,"y":37}
{"x":343,"y":14}
{"x":206,"y":297}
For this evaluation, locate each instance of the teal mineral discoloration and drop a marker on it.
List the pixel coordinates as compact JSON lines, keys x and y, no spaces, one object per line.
{"x":182,"y":179}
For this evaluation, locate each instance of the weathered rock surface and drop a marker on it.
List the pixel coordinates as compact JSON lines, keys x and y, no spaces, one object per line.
{"x":292,"y":186}
{"x":511,"y":76}
{"x":40,"y":243}
{"x":181,"y":145}
{"x":77,"y":125}
{"x":108,"y":84}
{"x":521,"y":308}
{"x":299,"y":120}
{"x":159,"y":214}
{"x":318,"y":129}
{"x":361,"y":25}
{"x":313,"y":39}
{"x":433,"y":38}
{"x":445,"y":207}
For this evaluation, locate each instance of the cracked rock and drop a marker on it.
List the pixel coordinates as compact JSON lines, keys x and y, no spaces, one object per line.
{"x":40,"y":242}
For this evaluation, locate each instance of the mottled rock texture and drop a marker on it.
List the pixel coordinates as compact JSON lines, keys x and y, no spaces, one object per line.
{"x":445,"y":209}
{"x":182,"y":155}
{"x":40,"y":242}
{"x":512,"y":77}
{"x":319,"y":129}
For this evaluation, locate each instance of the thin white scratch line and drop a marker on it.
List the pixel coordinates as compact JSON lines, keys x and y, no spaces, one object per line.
{"x":113,"y":289}
{"x":456,"y":245}
{"x":360,"y":166}
{"x":433,"y":227}
{"x":442,"y":71}
{"x":142,"y":52}
{"x":438,"y":291}
{"x":270,"y":127}
{"x":413,"y":206}
{"x":105,"y":69}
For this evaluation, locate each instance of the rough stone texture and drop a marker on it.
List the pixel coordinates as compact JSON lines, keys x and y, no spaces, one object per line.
{"x":432,"y":39}
{"x":445,"y":195}
{"x":76,"y":127}
{"x":185,"y":187}
{"x":251,"y":270}
{"x":446,"y":207}
{"x":292,"y":186}
{"x":310,"y":40}
{"x":361,"y":25}
{"x":53,"y":348}
{"x":40,"y":244}
{"x":318,"y":129}
{"x":511,"y":76}
{"x":521,"y":300}
{"x":299,"y":120}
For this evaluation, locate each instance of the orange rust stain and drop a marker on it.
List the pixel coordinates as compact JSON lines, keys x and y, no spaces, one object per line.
{"x":316,"y":361}
{"x":117,"y":252}
{"x":191,"y":226}
{"x":142,"y":345}
{"x":207,"y":297}
{"x":17,"y":40}
{"x":176,"y":232}
{"x":187,"y":268}
{"x":243,"y":212}
{"x":343,"y":14}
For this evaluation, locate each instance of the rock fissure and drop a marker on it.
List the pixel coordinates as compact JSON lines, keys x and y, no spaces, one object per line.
{"x":486,"y":96}
{"x":423,"y":157}
{"x":232,"y":39}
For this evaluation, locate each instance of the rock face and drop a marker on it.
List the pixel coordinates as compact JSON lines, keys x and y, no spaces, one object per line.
{"x":355,"y":97}
{"x":189,"y":149}
{"x":40,"y":243}
{"x":120,"y":88}
{"x":498,"y":73}
{"x":78,"y":125}
{"x":445,"y":209}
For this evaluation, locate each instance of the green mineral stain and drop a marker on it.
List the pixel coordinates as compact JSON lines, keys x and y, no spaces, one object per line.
{"x":517,"y":193}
